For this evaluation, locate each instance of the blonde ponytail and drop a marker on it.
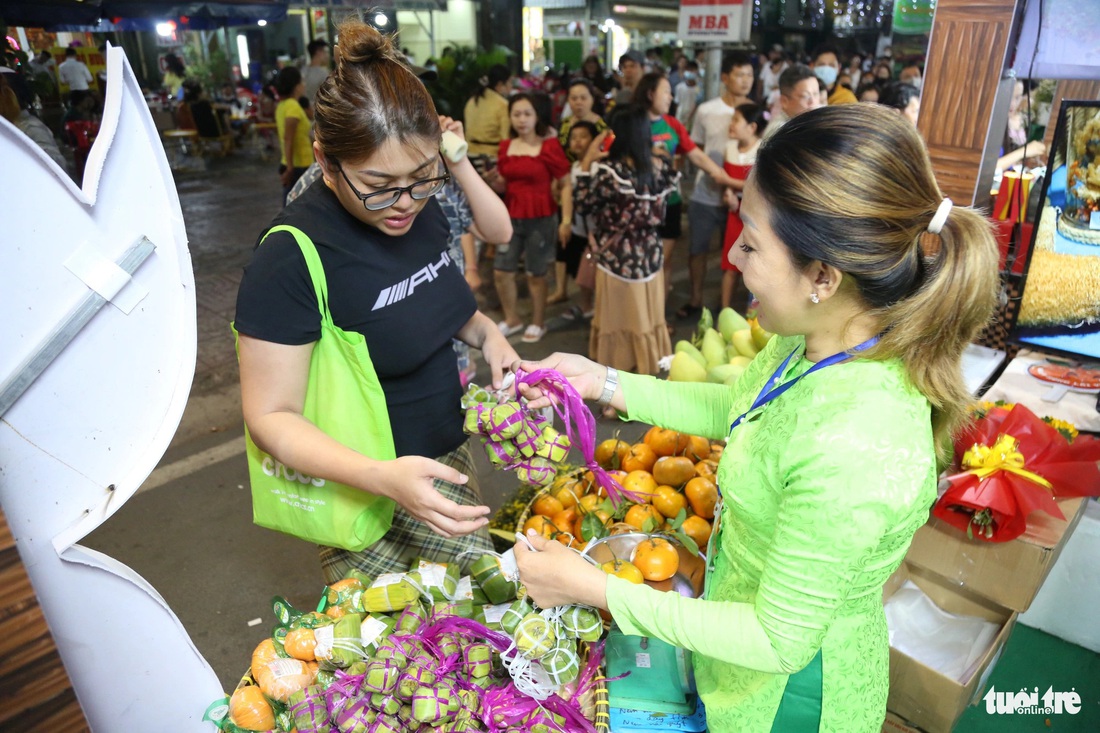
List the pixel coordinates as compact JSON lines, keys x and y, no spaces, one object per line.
{"x":930,"y":329}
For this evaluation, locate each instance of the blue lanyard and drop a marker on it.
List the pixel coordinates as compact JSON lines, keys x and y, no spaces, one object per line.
{"x":767,"y":395}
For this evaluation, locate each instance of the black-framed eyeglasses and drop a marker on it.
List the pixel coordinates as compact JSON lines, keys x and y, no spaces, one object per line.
{"x":419,"y":190}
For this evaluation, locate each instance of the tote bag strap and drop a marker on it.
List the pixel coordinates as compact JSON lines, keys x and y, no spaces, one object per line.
{"x":313,"y":262}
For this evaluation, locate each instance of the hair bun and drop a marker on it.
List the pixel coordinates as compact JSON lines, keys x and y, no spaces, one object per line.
{"x":359,"y":43}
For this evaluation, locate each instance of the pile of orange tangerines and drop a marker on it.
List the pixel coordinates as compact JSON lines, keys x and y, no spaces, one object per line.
{"x":674,"y":472}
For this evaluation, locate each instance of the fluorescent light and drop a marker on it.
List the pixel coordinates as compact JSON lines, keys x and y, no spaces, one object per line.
{"x":166,"y":28}
{"x":242,"y":52}
{"x":261,"y":22}
{"x":380,"y":19}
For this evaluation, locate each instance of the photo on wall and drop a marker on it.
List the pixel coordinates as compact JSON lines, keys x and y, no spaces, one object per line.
{"x":1060,"y":303}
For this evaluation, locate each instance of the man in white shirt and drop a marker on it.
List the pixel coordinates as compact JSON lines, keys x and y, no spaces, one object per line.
{"x":73,"y":72}
{"x":317,"y":70}
{"x":710,"y":130}
{"x":43,"y":63}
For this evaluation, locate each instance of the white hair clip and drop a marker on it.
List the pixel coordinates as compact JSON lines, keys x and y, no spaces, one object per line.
{"x":936,"y":225}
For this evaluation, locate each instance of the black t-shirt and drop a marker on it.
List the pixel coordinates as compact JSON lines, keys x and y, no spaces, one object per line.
{"x":404,"y":294}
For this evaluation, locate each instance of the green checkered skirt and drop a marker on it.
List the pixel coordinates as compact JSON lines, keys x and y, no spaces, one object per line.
{"x":409,"y":539}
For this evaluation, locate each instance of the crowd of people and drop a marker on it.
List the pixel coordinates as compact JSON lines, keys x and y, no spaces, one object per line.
{"x":537,"y":143}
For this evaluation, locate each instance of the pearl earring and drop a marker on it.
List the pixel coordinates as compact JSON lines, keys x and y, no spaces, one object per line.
{"x":814,"y":298}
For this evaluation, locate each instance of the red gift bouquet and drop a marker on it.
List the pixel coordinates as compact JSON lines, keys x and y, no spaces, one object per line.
{"x":1011,"y":463}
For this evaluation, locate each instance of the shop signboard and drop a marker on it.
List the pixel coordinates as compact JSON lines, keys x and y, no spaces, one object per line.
{"x":715,"y":21}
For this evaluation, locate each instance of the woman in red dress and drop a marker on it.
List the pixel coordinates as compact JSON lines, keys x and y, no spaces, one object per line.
{"x":529,"y":162}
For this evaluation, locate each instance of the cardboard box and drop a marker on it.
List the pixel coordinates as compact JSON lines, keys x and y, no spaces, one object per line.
{"x":897,"y":724}
{"x":1007,"y":573}
{"x":923,"y":697}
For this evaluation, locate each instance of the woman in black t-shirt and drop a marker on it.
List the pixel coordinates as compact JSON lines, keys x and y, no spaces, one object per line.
{"x":382,"y":240}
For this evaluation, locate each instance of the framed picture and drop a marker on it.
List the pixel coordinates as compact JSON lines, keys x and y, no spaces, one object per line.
{"x":1060,"y":300}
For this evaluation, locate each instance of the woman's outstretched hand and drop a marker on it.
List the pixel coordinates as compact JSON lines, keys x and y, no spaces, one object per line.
{"x":586,"y":376}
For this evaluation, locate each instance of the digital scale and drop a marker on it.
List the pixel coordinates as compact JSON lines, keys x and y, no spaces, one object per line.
{"x":651,"y":686}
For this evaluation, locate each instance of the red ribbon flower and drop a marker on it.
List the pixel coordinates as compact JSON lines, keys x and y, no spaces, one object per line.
{"x":1011,"y":464}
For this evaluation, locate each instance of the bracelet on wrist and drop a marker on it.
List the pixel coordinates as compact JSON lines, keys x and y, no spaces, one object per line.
{"x":610,"y":385}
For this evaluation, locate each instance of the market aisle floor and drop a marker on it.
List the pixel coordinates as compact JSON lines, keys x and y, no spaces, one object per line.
{"x":189,"y":532}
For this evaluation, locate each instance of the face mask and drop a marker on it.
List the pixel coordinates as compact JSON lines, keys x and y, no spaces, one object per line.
{"x":689,"y":76}
{"x":826,"y":74}
{"x":916,"y":81}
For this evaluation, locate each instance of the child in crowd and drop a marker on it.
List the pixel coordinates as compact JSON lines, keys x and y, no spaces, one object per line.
{"x":572,"y":248}
{"x":746,"y":128}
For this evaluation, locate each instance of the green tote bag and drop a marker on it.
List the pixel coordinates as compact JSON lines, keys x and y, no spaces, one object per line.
{"x":344,"y":399}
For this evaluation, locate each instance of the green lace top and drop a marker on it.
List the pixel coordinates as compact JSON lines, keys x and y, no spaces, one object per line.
{"x":823,"y":489}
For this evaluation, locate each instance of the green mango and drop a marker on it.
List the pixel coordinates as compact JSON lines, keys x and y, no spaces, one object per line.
{"x":729,"y":321}
{"x":714,"y":348}
{"x":689,"y":348}
{"x":742,"y":340}
{"x":685,"y":369}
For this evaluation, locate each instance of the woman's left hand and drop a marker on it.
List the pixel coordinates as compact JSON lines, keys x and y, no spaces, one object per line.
{"x":455,"y":126}
{"x":498,"y":353}
{"x":557,"y":576}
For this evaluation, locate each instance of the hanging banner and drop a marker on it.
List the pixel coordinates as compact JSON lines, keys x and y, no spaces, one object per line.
{"x":715,"y":21}
{"x":914,"y":17}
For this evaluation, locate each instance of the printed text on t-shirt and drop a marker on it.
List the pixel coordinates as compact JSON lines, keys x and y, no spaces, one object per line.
{"x":405,"y":288}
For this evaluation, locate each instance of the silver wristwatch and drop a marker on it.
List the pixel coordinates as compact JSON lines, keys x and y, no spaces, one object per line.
{"x":611,"y":383}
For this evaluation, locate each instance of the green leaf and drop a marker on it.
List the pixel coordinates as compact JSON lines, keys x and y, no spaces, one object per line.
{"x":650,"y":525}
{"x":592,"y":528}
{"x":678,"y":520}
{"x":688,"y":543}
{"x":606,"y":506}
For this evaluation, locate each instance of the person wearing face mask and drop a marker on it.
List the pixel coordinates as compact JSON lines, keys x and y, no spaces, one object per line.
{"x":687,"y":94}
{"x":911,"y":75}
{"x":826,"y":67}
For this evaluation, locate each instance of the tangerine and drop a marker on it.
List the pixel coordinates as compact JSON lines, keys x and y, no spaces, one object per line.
{"x":668,"y":501}
{"x":698,"y":448}
{"x":624,"y":569}
{"x":540,"y":524}
{"x":641,"y":484}
{"x":611,"y":452}
{"x":706,"y":467}
{"x":702,"y":494}
{"x":656,"y":558}
{"x":650,"y":435}
{"x":640,"y":458}
{"x":546,"y":505}
{"x":568,"y":492}
{"x":564,"y":519}
{"x":673,"y":470}
{"x":587,"y":503}
{"x":697,"y":529}
{"x":668,"y":443}
{"x":637,"y":515}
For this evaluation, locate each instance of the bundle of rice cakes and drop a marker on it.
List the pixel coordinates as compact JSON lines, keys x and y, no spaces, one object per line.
{"x":423,"y":651}
{"x":514,"y":437}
